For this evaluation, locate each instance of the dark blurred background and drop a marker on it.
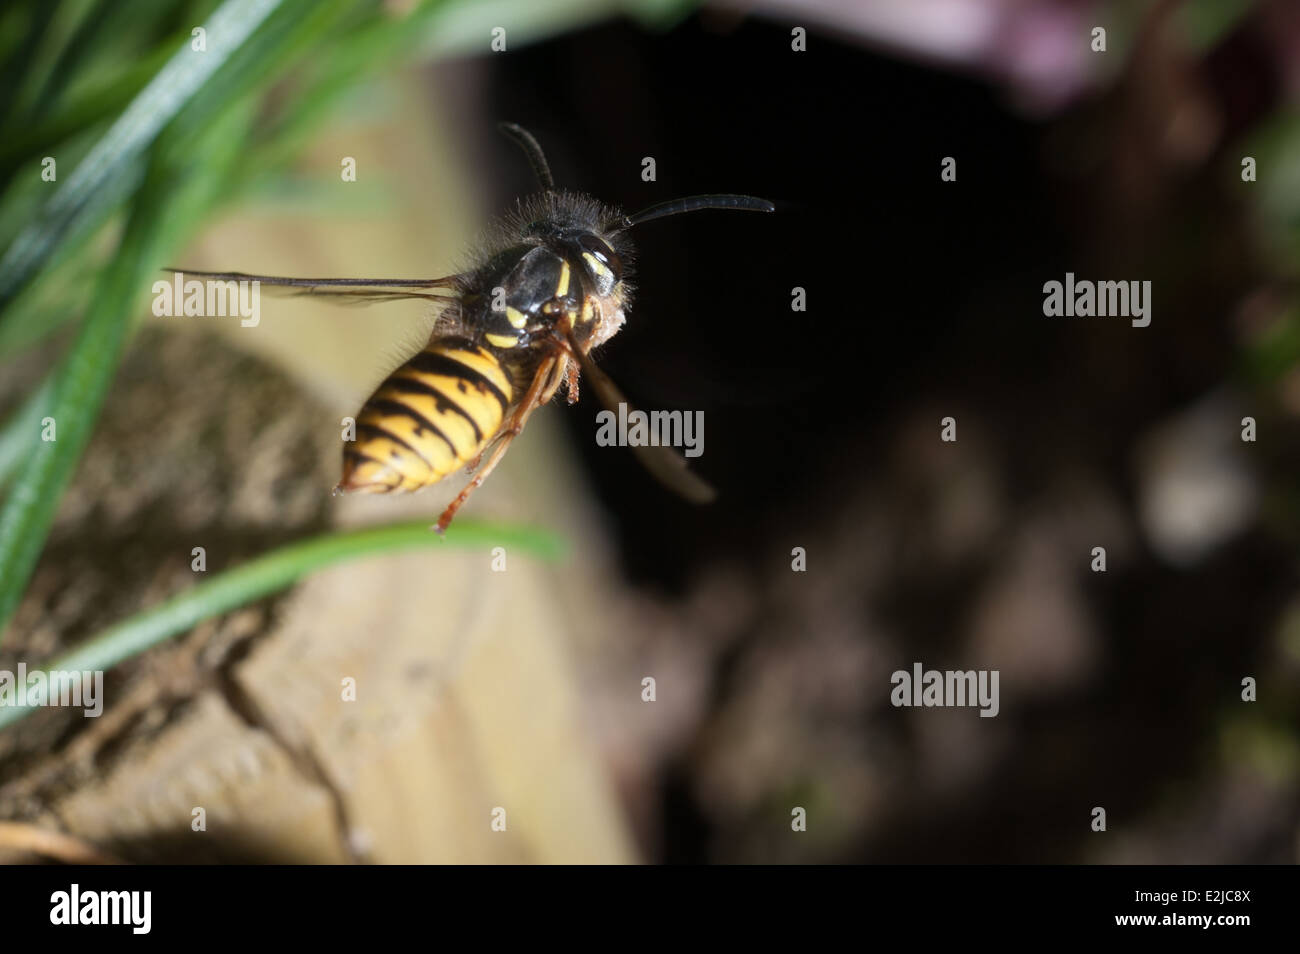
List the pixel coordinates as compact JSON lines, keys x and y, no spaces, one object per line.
{"x":822,"y":428}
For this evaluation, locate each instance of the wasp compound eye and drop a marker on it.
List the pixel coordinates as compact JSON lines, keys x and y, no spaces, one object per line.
{"x":602,"y":261}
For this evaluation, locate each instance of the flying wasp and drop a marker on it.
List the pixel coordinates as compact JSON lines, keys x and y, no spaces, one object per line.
{"x":552,"y":282}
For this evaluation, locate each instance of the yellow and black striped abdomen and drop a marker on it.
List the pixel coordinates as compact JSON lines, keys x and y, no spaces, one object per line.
{"x":432,"y":416}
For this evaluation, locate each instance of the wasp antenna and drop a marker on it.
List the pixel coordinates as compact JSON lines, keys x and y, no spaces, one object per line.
{"x":533,"y":149}
{"x":693,"y":203}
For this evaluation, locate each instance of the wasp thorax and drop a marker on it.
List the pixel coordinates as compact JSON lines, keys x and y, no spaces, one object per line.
{"x":525,"y":300}
{"x":565,"y":275}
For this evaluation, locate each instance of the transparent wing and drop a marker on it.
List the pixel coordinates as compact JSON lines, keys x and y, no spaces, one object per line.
{"x":666,"y":466}
{"x":360,"y":291}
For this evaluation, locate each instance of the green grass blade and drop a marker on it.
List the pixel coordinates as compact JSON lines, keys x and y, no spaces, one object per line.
{"x":184,"y":74}
{"x":165,"y":207}
{"x":272,"y":572}
{"x":81,"y":384}
{"x":21,"y":432}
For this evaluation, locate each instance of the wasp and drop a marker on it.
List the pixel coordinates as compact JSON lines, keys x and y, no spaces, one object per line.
{"x":551,"y":282}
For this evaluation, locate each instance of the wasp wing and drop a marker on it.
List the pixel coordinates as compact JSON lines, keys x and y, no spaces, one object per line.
{"x":359,"y":291}
{"x":667,"y":467}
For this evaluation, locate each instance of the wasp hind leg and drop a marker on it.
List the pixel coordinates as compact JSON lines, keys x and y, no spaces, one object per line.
{"x":544,"y":384}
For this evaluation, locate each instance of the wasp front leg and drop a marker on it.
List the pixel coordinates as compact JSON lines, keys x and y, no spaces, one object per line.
{"x":575,"y":314}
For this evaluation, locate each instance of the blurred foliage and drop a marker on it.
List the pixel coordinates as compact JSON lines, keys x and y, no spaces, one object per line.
{"x":1273,"y":349}
{"x":1206,"y":22}
{"x":1276,"y":147}
{"x":197,"y":133}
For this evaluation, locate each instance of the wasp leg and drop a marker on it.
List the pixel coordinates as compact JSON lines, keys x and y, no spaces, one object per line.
{"x":571,"y":381}
{"x":541,"y":390}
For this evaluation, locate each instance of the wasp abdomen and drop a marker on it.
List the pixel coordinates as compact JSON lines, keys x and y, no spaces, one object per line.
{"x":432,"y":416}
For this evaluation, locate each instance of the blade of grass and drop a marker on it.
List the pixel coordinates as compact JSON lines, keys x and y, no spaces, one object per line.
{"x":68,"y":275}
{"x":46,"y":132}
{"x":272,"y":572}
{"x":82,"y":380}
{"x":183,"y":76}
{"x":22,"y":429}
{"x":24,"y":55}
{"x":170,"y":201}
{"x":98,"y":26}
{"x":285,"y":36}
